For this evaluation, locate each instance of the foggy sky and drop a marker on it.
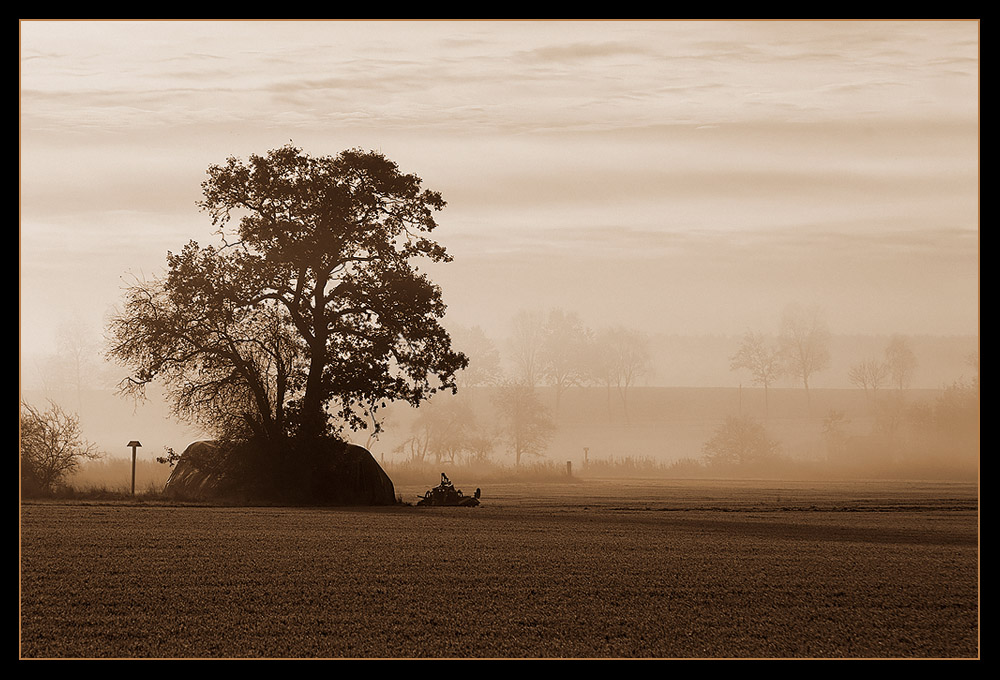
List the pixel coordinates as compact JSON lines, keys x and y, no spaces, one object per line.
{"x":681,"y":177}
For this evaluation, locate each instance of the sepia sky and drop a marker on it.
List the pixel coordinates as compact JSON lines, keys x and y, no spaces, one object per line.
{"x":681,"y":177}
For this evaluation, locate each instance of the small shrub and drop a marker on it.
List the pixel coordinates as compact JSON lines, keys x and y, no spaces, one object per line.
{"x":52,"y":446}
{"x":740,"y":442}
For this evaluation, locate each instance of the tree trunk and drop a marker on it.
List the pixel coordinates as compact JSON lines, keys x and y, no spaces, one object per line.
{"x":313,"y":415}
{"x":623,"y":392}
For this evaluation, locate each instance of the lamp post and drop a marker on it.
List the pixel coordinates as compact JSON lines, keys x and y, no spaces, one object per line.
{"x":134,"y":444}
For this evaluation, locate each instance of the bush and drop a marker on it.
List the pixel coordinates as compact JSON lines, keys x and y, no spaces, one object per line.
{"x":52,"y":446}
{"x":740,"y":442}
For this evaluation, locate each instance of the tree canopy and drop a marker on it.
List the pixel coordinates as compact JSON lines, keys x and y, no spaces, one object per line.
{"x":740,"y":441}
{"x":762,"y":359}
{"x":310,"y":315}
{"x":804,"y":342}
{"x":527,"y":424}
{"x":900,"y":361}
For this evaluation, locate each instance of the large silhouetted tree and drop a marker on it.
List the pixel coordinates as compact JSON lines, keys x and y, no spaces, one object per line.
{"x":310,"y":315}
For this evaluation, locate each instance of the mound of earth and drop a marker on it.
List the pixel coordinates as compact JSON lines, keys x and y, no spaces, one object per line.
{"x":339,"y":474}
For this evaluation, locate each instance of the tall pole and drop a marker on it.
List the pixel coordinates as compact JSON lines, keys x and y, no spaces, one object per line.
{"x":134,"y":444}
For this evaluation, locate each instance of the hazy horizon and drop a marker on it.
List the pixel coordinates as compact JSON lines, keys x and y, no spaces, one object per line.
{"x":689,"y":180}
{"x":680,"y":177}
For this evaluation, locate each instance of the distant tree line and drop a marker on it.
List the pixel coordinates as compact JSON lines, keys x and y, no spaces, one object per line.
{"x":554,"y":349}
{"x":895,"y":369}
{"x":801,"y":349}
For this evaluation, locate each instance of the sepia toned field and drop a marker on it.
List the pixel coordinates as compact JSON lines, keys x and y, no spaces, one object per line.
{"x":653,"y":569}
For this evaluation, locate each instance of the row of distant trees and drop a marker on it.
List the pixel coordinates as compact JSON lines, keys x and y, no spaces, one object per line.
{"x":802,"y":348}
{"x":554,"y":349}
{"x":559,"y":350}
{"x":894,"y":368}
{"x":452,"y":428}
{"x":942,"y":431}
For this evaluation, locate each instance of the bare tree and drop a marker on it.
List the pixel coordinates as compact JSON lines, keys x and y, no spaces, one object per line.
{"x":224,"y":372}
{"x":444,"y":428}
{"x":78,"y":349}
{"x":565,"y":344}
{"x":622,"y":358}
{"x":527,"y":424}
{"x":804,"y":343}
{"x":52,"y":446}
{"x":870,"y":374}
{"x":77,"y":363}
{"x":484,"y":358}
{"x":835,"y":433}
{"x":762,"y":359}
{"x":525,"y":344}
{"x":900,"y":361}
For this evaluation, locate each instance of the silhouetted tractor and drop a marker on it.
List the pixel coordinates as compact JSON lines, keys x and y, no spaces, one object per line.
{"x":445,"y":493}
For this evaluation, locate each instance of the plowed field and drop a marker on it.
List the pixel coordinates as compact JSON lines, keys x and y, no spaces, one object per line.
{"x":613,"y":570}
